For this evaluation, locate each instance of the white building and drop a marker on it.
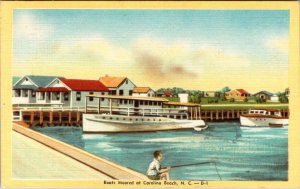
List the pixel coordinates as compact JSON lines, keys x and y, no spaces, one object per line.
{"x":118,"y":85}
{"x":143,"y":91}
{"x":184,"y":97}
{"x":71,"y":92}
{"x":274,"y":98}
{"x":24,"y":90}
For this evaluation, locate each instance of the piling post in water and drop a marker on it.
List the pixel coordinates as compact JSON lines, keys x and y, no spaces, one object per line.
{"x":31,"y":117}
{"x":217,"y":115}
{"x":70,"y":118}
{"x":41,"y":118}
{"x":60,"y":117}
{"x":50,"y":118}
{"x":77,"y":118}
{"x":222,"y":114}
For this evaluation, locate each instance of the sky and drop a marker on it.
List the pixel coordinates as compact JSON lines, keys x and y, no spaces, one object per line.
{"x":192,"y":49}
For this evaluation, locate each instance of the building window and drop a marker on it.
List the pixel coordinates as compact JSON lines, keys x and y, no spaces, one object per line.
{"x":33,"y":94}
{"x":130,"y":92}
{"x":55,"y":95}
{"x":78,"y":96}
{"x":102,"y":93}
{"x":146,"y":102}
{"x":25,"y":93}
{"x":42,"y":96}
{"x":148,"y":94}
{"x":121,"y":92}
{"x":102,"y":99}
{"x":91,"y":98}
{"x":66,"y":96}
{"x":17,"y":93}
{"x":114,"y":92}
{"x":26,"y":79}
{"x":126,"y":81}
{"x":125,"y":101}
{"x":142,"y":102}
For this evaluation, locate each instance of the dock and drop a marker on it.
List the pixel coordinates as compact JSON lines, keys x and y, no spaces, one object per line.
{"x":48,"y":158}
{"x":49,"y":116}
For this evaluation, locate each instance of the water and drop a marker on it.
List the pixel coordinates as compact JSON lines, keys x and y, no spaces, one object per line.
{"x":240,"y":153}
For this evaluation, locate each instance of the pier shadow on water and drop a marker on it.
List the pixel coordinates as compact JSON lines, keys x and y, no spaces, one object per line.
{"x":240,"y":153}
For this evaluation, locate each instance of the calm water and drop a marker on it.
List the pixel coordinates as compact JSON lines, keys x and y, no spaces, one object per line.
{"x":240,"y":153}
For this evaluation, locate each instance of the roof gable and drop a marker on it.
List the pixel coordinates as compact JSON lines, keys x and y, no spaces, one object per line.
{"x":242,"y":91}
{"x":141,"y":89}
{"x":264,"y":92}
{"x":84,"y":85}
{"x":41,"y":81}
{"x":112,"y":82}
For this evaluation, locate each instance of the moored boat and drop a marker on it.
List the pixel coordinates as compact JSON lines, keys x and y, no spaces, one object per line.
{"x":263,"y":117}
{"x":139,"y":114}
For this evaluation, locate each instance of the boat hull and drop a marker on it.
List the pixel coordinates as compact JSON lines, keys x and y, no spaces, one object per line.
{"x":262,"y":122}
{"x":93,"y":123}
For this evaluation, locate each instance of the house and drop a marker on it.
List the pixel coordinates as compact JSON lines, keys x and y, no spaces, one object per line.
{"x":24,"y":90}
{"x":159,"y":94}
{"x":237,"y":94}
{"x":210,"y":93}
{"x":143,"y":91}
{"x":118,"y":85}
{"x":266,"y":95}
{"x":71,"y":92}
{"x":167,"y":94}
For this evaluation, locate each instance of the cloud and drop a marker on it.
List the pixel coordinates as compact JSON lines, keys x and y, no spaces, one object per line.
{"x":278,"y":43}
{"x":147,"y":60}
{"x":30,"y":27}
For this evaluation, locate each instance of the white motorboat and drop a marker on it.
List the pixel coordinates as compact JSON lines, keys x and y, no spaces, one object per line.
{"x":263,"y":117}
{"x":139,"y":114}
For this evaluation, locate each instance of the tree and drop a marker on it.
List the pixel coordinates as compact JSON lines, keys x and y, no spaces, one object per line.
{"x":226,"y":89}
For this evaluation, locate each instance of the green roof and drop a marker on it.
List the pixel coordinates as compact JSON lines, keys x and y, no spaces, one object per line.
{"x":15,"y":79}
{"x":40,"y":81}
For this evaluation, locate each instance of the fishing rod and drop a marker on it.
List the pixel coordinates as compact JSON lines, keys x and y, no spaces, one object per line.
{"x":185,"y":165}
{"x":200,"y":163}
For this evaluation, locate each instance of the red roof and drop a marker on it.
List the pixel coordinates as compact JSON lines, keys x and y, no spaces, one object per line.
{"x":84,"y":85}
{"x":242,"y":91}
{"x":53,"y":89}
{"x":167,"y":93}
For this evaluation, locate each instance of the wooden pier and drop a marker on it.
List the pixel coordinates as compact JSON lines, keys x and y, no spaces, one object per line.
{"x":73,"y":117}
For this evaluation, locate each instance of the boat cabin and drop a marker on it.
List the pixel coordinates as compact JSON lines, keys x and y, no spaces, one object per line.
{"x":143,"y":106}
{"x":271,"y":112}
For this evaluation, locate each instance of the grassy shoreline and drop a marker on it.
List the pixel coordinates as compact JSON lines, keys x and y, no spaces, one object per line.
{"x":242,"y":106}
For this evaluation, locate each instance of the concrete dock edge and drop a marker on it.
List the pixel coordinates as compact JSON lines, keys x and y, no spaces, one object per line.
{"x":106,"y":167}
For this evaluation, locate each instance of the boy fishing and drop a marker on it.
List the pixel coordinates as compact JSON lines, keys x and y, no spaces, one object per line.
{"x":155,"y":172}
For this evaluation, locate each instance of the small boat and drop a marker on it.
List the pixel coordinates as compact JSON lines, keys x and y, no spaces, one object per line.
{"x":200,"y":128}
{"x":263,"y":117}
{"x":275,"y":125}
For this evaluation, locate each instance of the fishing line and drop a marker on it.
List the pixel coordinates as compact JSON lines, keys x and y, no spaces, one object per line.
{"x":201,"y":163}
{"x":217,"y":170}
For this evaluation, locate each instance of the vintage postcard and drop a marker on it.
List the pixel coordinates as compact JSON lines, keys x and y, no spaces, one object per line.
{"x":159,"y":94}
